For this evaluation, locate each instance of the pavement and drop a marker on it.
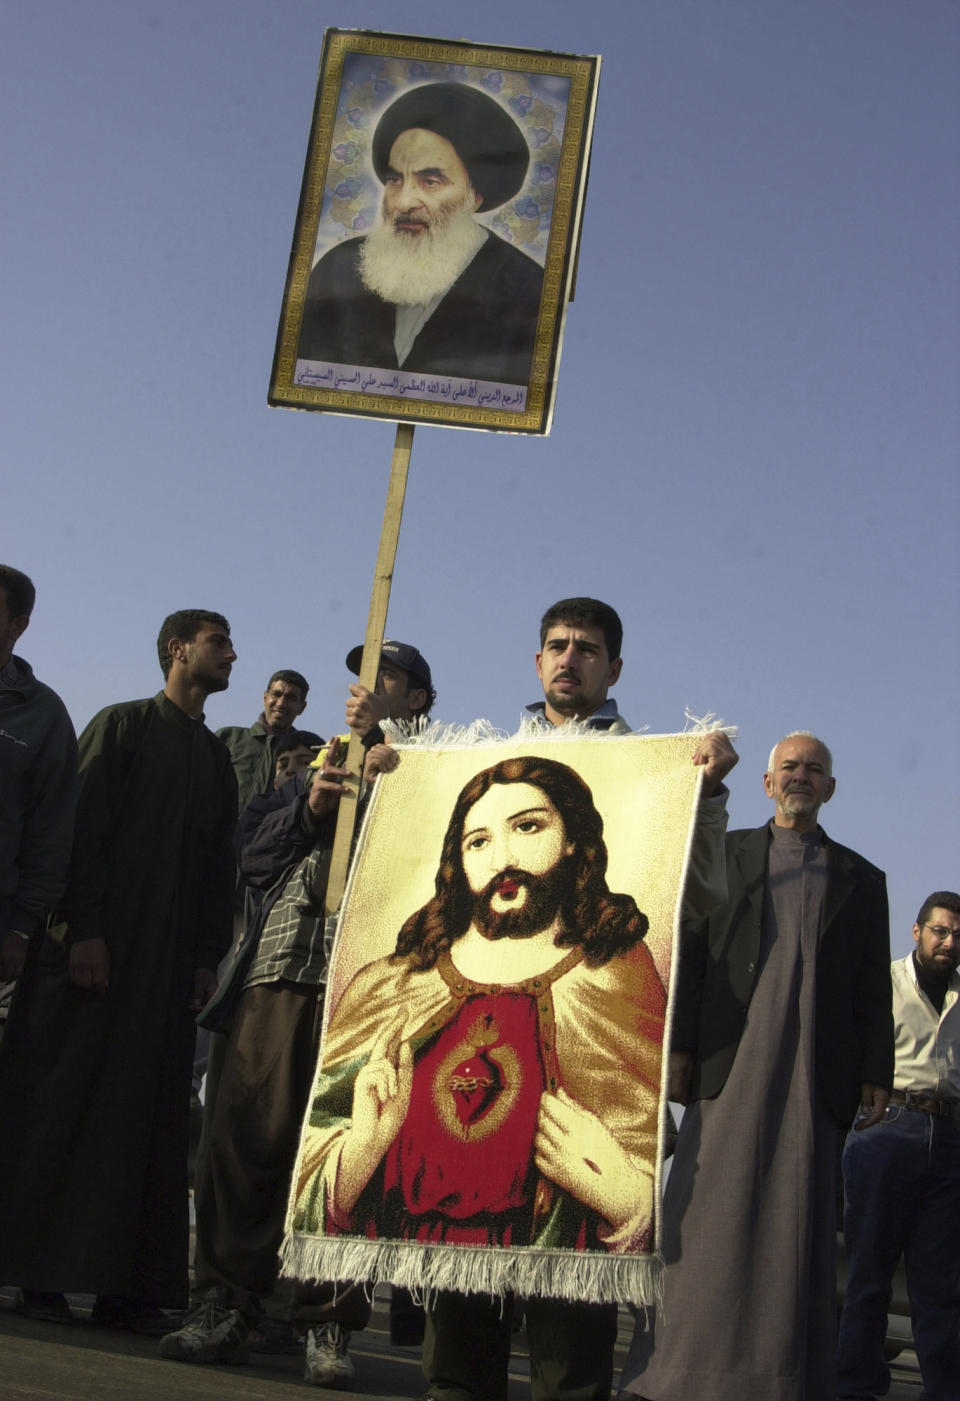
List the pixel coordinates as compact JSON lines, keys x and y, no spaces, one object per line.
{"x":81,"y":1362}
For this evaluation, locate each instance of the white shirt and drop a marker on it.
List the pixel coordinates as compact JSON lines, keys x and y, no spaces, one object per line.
{"x":410,"y":322}
{"x":927,"y":1045}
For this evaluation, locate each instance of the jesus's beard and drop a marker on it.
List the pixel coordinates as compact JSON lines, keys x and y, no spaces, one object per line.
{"x":411,"y":269}
{"x":545,"y":895}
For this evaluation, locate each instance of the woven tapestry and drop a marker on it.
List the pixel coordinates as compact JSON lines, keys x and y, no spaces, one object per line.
{"x":488,"y":1112}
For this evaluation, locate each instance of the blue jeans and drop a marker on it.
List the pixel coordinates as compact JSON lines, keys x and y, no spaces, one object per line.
{"x":902,"y":1193}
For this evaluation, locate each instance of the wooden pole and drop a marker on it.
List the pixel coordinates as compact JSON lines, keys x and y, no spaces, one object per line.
{"x":370,"y":665}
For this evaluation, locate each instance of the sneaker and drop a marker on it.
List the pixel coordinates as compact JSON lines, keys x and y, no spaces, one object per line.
{"x":327,"y":1362}
{"x":211,"y":1332}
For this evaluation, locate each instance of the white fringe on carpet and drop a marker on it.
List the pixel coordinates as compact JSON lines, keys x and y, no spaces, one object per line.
{"x":554,"y":1274}
{"x":439,"y":735}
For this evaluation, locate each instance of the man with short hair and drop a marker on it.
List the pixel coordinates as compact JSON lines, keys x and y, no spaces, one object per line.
{"x":578,"y":662}
{"x":271,"y":1006}
{"x":38,"y":757}
{"x":902,"y":1176}
{"x":467,"y":1344}
{"x":781,"y":1027}
{"x":96,"y":1061}
{"x":253,"y":749}
{"x":430,"y":290}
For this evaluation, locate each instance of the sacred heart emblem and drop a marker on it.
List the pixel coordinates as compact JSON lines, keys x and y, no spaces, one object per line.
{"x":475,"y":1083}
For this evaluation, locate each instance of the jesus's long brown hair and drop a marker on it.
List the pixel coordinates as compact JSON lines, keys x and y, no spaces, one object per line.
{"x":604,"y":923}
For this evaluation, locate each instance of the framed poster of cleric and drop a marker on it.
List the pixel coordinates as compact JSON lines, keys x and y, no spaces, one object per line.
{"x":436,"y":237}
{"x":489,"y":1108}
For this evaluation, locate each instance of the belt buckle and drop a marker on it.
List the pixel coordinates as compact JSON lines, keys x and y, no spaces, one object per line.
{"x":930,"y":1104}
{"x":942,"y":1108}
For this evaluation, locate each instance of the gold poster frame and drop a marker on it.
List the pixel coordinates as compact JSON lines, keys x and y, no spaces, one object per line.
{"x":340,"y":139}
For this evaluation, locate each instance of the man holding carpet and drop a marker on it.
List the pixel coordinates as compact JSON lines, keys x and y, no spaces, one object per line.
{"x":462,"y":1074}
{"x":782,"y":1025}
{"x":467,"y":1346}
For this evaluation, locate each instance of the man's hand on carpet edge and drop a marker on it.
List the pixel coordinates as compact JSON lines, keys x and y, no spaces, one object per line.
{"x":717,"y":757}
{"x":381,"y":758}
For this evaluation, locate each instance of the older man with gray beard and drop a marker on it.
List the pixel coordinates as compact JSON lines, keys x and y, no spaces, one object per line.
{"x":430,"y":290}
{"x":782,"y":1026}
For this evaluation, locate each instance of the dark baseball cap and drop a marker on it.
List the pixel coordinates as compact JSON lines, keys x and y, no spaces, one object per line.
{"x":399,"y":654}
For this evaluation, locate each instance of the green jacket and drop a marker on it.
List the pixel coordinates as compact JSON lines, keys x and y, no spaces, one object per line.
{"x":253,"y":755}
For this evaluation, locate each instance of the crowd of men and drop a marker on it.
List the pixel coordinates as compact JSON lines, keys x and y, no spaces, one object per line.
{"x":156,"y":875}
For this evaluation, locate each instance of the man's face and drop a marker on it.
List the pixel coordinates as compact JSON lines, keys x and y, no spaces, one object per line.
{"x":938,"y":943}
{"x":575,"y":670}
{"x":799,"y":782}
{"x":513,"y":847}
{"x":209,"y":658}
{"x":395,"y":686}
{"x":282,"y":703}
{"x":426,"y":183}
{"x":11,"y":628}
{"x":292,"y":762}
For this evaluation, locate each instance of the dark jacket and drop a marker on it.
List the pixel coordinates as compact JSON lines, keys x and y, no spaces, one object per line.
{"x":718,"y":971}
{"x":274,"y":834}
{"x":253,"y":755}
{"x":94,"y":1090}
{"x":484,"y":328}
{"x":38,"y":796}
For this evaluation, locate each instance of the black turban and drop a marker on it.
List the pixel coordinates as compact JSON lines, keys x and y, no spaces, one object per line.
{"x":484,"y":136}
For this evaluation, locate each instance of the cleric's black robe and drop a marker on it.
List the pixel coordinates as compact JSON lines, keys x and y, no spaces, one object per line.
{"x":94,"y":1091}
{"x":484,"y":328}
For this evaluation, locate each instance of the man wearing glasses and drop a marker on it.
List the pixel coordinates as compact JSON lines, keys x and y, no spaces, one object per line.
{"x":902,"y":1177}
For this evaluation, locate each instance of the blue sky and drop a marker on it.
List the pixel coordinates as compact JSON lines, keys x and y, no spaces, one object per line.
{"x":754,"y":454}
